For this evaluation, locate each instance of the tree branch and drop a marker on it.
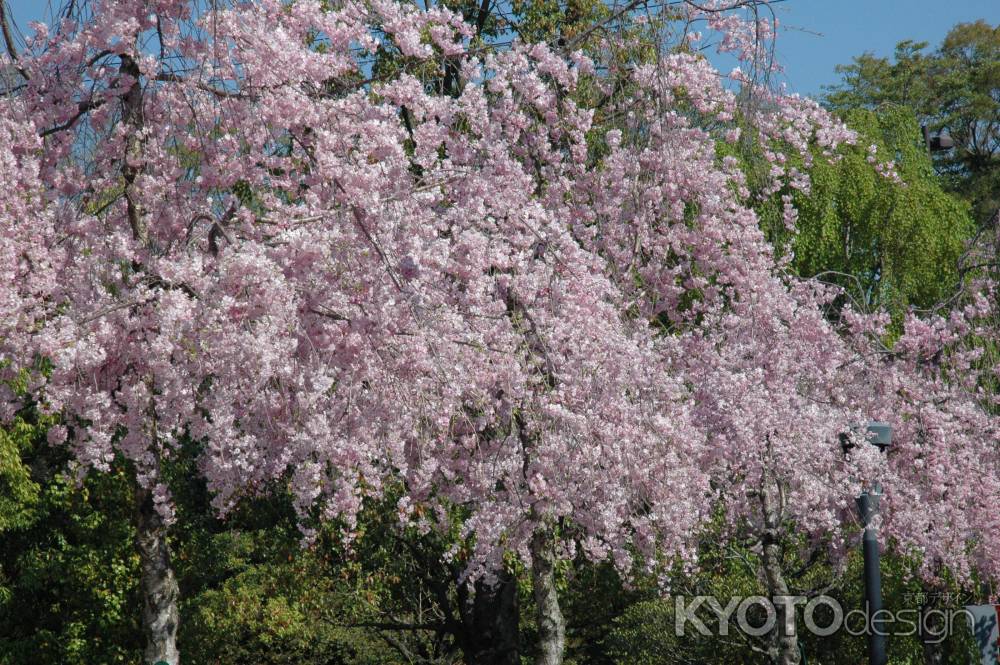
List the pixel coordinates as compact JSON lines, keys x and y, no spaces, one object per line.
{"x":170,"y":77}
{"x":8,"y":39}
{"x":82,"y":109}
{"x":394,"y":625}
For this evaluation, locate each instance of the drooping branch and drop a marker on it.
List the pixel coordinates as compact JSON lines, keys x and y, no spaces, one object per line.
{"x":89,"y":105}
{"x":170,"y":77}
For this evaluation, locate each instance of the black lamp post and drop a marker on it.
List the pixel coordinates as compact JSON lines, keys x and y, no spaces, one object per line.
{"x":880,"y":435}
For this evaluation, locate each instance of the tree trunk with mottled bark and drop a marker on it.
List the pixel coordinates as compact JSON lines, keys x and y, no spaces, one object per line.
{"x":932,"y":626}
{"x":783,"y":647}
{"x":551,"y":623}
{"x":158,"y":585}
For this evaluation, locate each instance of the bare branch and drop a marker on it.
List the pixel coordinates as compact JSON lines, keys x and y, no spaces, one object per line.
{"x":393,"y":625}
{"x":110,"y":310}
{"x":330,"y":315}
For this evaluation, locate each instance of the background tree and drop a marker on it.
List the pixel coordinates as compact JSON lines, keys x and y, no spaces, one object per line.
{"x":876,"y":221}
{"x":954,"y":88}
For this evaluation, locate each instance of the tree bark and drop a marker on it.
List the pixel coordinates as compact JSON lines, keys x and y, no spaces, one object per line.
{"x":784,"y":644}
{"x":933,"y":646}
{"x":160,"y":593}
{"x":784,"y":647}
{"x":160,"y":616}
{"x":933,"y":653}
{"x":551,"y":624}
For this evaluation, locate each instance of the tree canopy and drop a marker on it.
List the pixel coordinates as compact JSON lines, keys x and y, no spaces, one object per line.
{"x":540,"y":299}
{"x":955,"y":89}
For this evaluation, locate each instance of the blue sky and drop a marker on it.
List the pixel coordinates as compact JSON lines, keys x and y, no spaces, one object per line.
{"x":815,"y":36}
{"x":850,"y":27}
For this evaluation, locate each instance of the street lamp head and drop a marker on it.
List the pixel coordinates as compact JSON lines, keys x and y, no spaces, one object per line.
{"x":879,"y":434}
{"x":942,"y":142}
{"x":937,"y":143}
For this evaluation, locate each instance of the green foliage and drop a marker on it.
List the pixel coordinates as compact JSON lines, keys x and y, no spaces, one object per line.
{"x":955,"y":88}
{"x":69,"y":569}
{"x":18,"y":493}
{"x":251,"y":594}
{"x":550,"y":21}
{"x":644,"y":632}
{"x":888,"y":243}
{"x":66,"y":565}
{"x":274,"y":610}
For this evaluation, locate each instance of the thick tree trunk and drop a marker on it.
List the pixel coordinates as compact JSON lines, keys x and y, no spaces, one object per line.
{"x":490,"y":621}
{"x":551,"y":624}
{"x":158,"y":586}
{"x":784,"y":647}
{"x":933,"y":653}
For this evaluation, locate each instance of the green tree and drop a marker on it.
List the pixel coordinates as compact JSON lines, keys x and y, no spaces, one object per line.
{"x":68,"y":570}
{"x":69,"y":574}
{"x":954,"y":88}
{"x":893,"y":242}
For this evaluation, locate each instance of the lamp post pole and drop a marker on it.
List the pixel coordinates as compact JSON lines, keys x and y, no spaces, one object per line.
{"x":879,"y":434}
{"x":868,"y":507}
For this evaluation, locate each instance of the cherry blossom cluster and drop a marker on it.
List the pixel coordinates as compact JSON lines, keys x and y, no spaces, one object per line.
{"x":224,"y":227}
